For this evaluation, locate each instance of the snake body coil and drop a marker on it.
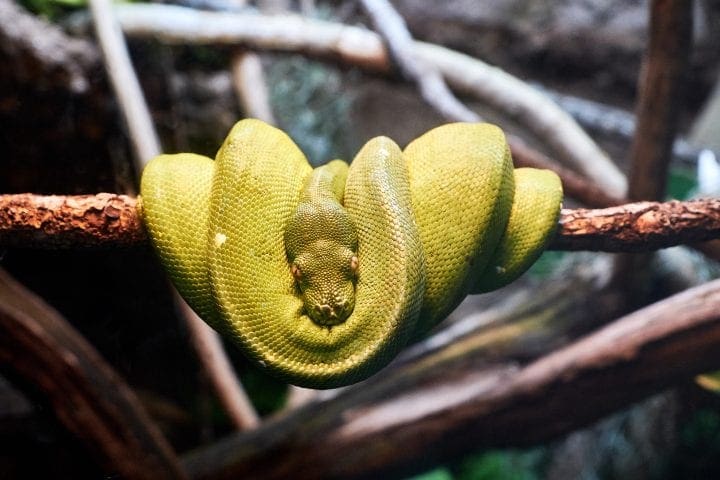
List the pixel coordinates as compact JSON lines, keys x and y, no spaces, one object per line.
{"x":322,"y":276}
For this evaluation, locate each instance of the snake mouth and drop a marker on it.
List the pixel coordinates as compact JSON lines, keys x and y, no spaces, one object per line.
{"x":330,"y":314}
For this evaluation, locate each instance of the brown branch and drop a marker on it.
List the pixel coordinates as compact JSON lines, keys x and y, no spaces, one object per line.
{"x":657,"y":109}
{"x":45,"y":353}
{"x":639,"y":227}
{"x":106,"y":220}
{"x":58,"y":221}
{"x":434,"y":415}
{"x":660,"y":88}
{"x":575,"y":186}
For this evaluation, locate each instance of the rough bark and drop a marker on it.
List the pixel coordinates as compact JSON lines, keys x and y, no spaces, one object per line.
{"x":638,"y":227}
{"x":28,"y":220}
{"x":105,"y":220}
{"x":658,"y":105}
{"x":660,"y":89}
{"x":38,"y":346}
{"x":413,"y":417}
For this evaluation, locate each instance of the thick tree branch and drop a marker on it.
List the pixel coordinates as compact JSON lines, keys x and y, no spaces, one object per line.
{"x":43,"y":351}
{"x":105,"y":220}
{"x":59,"y":221}
{"x":657,"y":110}
{"x":660,"y":89}
{"x":409,"y":418}
{"x":638,"y":227}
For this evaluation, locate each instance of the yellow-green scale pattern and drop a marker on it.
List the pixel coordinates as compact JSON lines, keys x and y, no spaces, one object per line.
{"x":323,"y":276}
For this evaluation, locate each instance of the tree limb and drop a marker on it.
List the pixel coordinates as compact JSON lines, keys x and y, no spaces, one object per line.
{"x":657,"y":109}
{"x":105,"y":220}
{"x":638,"y":227}
{"x":410,"y":418}
{"x":362,"y":48}
{"x":660,"y":88}
{"x":41,"y":349}
{"x":391,"y":26}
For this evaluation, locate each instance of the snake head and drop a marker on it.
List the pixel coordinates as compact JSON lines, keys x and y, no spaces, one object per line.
{"x":325,"y":273}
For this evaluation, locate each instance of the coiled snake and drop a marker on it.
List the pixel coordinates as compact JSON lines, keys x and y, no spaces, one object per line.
{"x":322,"y":276}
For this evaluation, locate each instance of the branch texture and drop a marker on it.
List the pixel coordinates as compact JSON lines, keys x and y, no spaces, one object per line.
{"x":42,"y":350}
{"x":430,"y":416}
{"x":638,"y":227}
{"x":363,"y":48}
{"x":660,"y":91}
{"x":57,"y":221}
{"x":109,"y":220}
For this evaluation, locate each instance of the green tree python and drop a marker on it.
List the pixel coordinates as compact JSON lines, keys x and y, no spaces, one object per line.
{"x":321,"y":276}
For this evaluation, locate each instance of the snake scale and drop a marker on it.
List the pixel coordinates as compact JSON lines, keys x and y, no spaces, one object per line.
{"x":322,"y":275}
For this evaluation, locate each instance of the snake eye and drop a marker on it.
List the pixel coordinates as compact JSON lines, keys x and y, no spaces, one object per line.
{"x":354,"y":264}
{"x":296,"y":272}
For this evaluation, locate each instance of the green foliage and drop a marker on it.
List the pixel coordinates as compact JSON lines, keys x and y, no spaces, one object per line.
{"x":493,"y":465}
{"x":502,"y":465}
{"x":437,"y":474}
{"x":546,"y":265}
{"x":682,"y":182}
{"x":52,"y":9}
{"x":266,"y":393}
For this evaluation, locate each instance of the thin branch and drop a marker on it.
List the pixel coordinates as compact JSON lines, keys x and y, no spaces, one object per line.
{"x":144,"y":139}
{"x":250,"y":86}
{"x":125,"y":84}
{"x":432,"y":415}
{"x":212,"y":355}
{"x":87,"y":395}
{"x":362,"y":48}
{"x":391,"y":26}
{"x":104,"y":220}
